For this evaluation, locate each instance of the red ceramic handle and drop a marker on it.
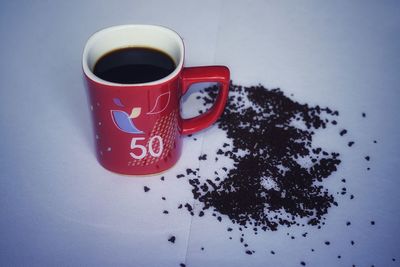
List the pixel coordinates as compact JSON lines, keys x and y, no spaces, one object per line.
{"x":193,"y":75}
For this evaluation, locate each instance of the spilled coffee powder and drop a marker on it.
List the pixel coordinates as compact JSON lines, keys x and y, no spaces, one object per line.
{"x":277,"y":173}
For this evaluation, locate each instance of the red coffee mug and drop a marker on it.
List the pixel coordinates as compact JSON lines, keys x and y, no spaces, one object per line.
{"x":138,"y":127}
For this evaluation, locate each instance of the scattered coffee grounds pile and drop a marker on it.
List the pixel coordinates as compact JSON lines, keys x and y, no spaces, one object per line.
{"x":277,"y":173}
{"x":269,"y":172}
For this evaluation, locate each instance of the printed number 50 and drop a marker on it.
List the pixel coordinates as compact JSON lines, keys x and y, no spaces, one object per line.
{"x":143,"y":150}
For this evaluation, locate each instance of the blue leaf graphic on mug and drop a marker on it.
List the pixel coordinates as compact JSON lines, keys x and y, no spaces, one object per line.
{"x":124,"y":122}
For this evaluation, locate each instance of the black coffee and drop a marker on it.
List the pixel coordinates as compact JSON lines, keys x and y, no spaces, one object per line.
{"x":134,"y":65}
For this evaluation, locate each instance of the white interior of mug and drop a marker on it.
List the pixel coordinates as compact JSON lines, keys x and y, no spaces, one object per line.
{"x":122,"y":36}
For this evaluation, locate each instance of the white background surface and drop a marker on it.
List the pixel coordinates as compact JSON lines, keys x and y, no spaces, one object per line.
{"x":59,"y":207}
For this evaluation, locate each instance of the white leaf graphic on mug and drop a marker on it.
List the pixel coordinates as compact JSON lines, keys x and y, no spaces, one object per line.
{"x":135,"y":112}
{"x":161,"y":104}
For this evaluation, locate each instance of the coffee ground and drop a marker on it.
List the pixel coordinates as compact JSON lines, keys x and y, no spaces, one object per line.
{"x":172,"y":239}
{"x":278,"y":172}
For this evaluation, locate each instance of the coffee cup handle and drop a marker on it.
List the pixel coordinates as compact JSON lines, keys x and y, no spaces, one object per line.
{"x":191,"y":75}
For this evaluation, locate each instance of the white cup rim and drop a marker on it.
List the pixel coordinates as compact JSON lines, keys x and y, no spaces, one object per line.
{"x":94,"y":39}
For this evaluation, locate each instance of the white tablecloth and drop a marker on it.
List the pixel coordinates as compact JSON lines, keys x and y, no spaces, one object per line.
{"x":59,"y":207}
